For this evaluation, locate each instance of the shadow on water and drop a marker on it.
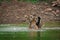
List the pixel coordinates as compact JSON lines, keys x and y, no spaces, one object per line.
{"x":38,"y":35}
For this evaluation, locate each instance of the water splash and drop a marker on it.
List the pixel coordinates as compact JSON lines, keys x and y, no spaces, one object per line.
{"x":16,"y":29}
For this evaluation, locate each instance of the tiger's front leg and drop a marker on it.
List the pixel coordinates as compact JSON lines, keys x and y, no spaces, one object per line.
{"x":36,"y":27}
{"x":33,"y":26}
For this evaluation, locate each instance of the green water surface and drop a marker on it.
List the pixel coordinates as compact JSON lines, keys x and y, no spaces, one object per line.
{"x":30,"y":35}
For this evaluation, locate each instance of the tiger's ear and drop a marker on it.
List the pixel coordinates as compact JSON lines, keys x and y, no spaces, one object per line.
{"x":26,"y":16}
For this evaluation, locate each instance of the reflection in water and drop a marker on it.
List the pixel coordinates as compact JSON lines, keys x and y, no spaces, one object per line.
{"x":34,"y":35}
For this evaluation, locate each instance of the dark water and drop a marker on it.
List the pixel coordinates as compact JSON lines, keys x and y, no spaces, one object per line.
{"x":17,"y":33}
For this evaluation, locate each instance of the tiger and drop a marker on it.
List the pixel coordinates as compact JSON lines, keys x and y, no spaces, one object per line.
{"x":32,"y":19}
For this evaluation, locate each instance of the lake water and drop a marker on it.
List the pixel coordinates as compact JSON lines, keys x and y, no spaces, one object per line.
{"x":24,"y":33}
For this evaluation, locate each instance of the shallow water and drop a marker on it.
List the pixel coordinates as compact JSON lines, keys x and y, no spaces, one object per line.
{"x":24,"y":33}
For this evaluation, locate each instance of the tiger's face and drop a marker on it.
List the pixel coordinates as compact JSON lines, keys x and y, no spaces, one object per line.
{"x":30,"y":18}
